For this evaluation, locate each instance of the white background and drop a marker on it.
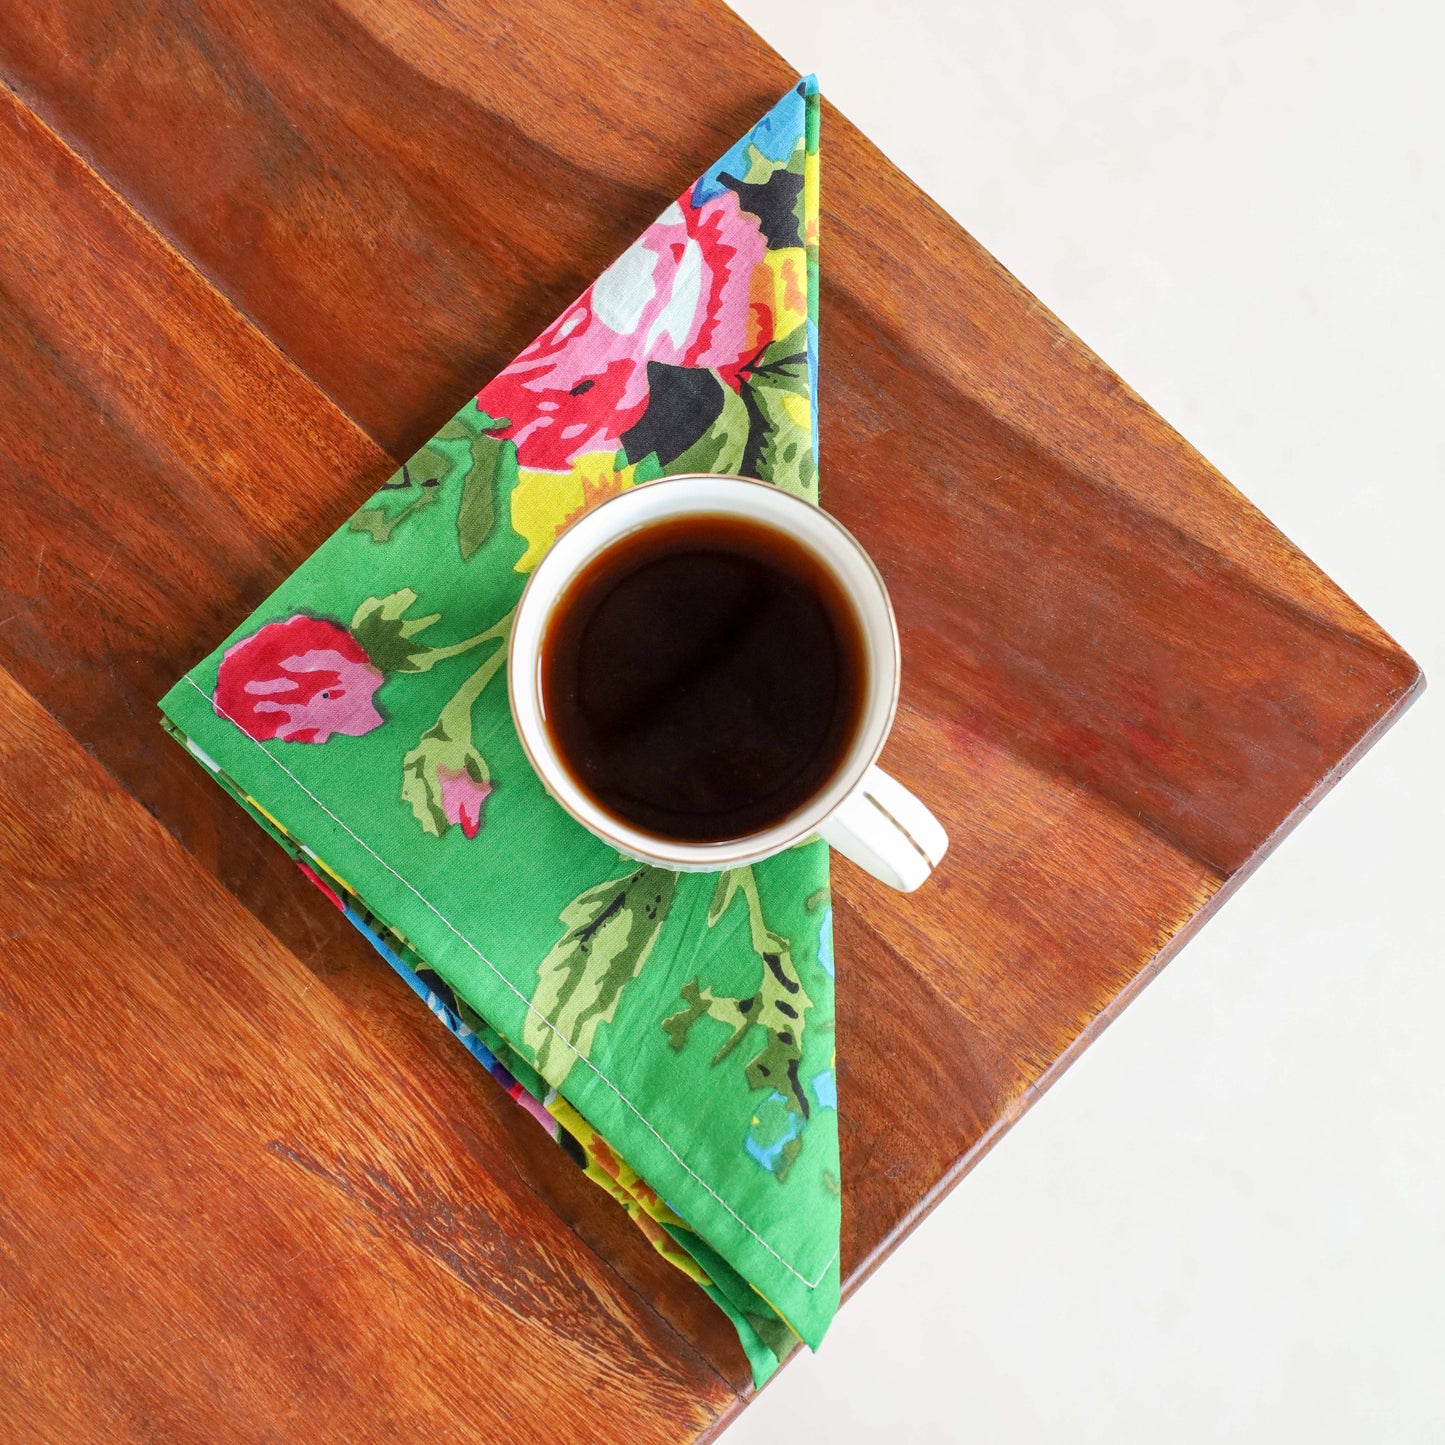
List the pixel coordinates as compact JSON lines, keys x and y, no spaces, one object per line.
{"x":1227,"y":1222}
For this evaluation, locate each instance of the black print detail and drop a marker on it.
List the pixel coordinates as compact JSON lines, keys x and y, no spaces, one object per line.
{"x":775,"y":203}
{"x":585,"y":935}
{"x":776,"y":969}
{"x":797,"y":1087}
{"x":682,"y":403}
{"x":572,"y":1148}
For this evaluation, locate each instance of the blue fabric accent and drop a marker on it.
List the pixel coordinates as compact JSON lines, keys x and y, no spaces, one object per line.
{"x":775,"y":135}
{"x":825,"y":942}
{"x":428,"y":995}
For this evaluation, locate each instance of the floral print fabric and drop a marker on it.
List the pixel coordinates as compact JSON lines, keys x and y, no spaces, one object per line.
{"x":300,"y":680}
{"x":672,"y":1032}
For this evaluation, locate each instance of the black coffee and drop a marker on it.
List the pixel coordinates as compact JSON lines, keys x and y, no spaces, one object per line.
{"x":703,"y":678}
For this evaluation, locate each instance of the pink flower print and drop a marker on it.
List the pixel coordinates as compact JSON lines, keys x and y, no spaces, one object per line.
{"x":463,"y":798}
{"x":300,"y":681}
{"x":680,"y":294}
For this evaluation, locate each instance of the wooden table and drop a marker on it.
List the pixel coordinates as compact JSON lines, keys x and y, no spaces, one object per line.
{"x":254,"y":253}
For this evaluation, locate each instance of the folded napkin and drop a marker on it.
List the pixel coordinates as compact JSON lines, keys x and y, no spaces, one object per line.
{"x":674,"y":1032}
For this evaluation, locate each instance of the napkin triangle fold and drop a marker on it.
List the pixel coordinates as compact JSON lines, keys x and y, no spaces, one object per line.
{"x":673,"y":1032}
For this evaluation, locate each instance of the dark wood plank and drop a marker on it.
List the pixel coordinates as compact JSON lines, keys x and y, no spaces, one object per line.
{"x":418,"y":149}
{"x":1123,"y":683}
{"x":229,"y":1213}
{"x":1137,"y":625}
{"x":166,"y":468}
{"x":1114,"y":609}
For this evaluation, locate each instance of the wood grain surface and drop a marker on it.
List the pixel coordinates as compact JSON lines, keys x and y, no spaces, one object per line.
{"x":254,"y":252}
{"x":230,"y":1212}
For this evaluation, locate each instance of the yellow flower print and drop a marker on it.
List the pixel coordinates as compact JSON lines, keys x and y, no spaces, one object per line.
{"x":789,"y":268}
{"x":797,"y":409}
{"x":544,"y":503}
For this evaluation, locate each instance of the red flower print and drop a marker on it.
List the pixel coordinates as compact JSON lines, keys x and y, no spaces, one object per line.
{"x":679,"y":294}
{"x":299,"y":681}
{"x":463,"y":798}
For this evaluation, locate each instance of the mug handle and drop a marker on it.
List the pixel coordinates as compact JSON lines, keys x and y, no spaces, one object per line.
{"x":883,"y":828}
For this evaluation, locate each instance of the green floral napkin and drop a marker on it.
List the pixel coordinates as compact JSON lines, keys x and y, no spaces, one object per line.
{"x":673,"y":1031}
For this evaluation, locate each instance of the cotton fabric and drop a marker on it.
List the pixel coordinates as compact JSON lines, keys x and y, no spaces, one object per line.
{"x":674,"y":1032}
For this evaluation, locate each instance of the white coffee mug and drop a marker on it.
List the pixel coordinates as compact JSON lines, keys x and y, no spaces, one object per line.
{"x":861,"y":811}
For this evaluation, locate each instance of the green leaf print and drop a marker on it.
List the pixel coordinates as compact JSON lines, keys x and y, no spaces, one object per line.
{"x":785,"y":445}
{"x":462,"y":451}
{"x":761,"y":166}
{"x":780,"y":438}
{"x":778,"y":1007}
{"x":384,"y":631}
{"x":377,"y":522}
{"x":720,"y":448}
{"x":444,"y":779}
{"x":610,"y":930}
{"x":477,"y":514}
{"x":493,"y":469}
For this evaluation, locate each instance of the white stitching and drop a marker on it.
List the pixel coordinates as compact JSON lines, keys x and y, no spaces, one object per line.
{"x":581,"y":1058}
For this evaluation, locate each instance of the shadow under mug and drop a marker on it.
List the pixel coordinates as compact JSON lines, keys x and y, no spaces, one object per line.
{"x":861,"y":811}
